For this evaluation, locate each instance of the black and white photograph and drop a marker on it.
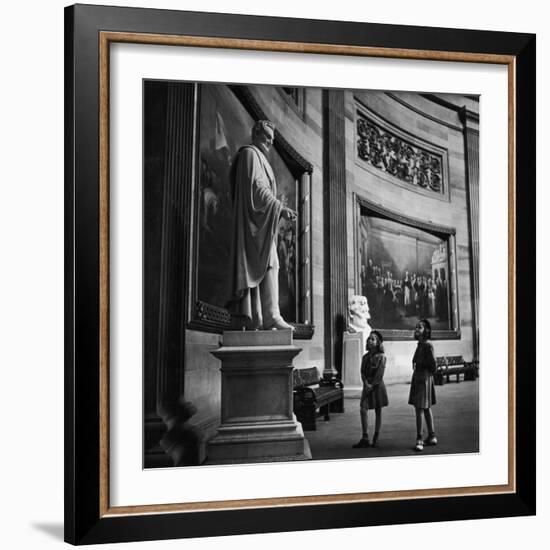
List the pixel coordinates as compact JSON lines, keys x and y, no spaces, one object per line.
{"x":311,"y":273}
{"x":274,"y":275}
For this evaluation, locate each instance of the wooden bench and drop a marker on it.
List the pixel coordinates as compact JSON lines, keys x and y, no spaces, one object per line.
{"x":454,"y":365}
{"x":312,"y":394}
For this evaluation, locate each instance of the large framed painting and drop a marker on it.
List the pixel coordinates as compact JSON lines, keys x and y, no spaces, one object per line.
{"x":407,"y":270}
{"x":295,"y":250}
{"x":226,"y":116}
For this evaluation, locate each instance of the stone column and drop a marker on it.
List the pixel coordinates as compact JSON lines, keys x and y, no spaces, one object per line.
{"x":165,"y":369}
{"x":257,"y":419}
{"x":178,"y":171}
{"x":335,"y":235}
{"x":470,"y":121}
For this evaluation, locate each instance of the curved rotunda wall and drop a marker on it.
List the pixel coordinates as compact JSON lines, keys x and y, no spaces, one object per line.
{"x":433,"y":129}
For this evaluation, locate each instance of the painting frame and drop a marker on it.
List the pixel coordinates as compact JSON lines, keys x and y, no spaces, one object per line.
{"x":89,"y":518}
{"x":202,"y":315}
{"x":363,"y":205}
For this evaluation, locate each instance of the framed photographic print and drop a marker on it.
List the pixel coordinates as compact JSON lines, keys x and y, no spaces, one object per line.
{"x":298,"y":279}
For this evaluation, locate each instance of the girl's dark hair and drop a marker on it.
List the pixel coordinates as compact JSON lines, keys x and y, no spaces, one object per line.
{"x":380,"y":340}
{"x":427,"y":328}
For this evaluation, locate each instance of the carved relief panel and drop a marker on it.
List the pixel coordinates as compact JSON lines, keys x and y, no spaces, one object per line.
{"x":400,"y":158}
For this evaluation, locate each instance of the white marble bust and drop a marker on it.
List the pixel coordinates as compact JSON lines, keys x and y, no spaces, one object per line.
{"x":358,"y":314}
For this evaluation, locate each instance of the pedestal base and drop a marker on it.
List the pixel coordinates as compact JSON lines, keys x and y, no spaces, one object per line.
{"x":354,"y":348}
{"x":258,"y":424}
{"x":258,"y":442}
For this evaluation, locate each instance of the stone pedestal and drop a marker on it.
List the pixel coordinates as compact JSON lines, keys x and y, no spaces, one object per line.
{"x":257,"y":419}
{"x":354,"y":349}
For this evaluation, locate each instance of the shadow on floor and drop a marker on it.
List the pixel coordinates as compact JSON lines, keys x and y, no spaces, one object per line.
{"x":54,"y":530}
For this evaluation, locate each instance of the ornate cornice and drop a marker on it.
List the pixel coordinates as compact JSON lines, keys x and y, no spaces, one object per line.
{"x":469,"y":118}
{"x":427,"y":115}
{"x":413,"y":222}
{"x":463,"y":112}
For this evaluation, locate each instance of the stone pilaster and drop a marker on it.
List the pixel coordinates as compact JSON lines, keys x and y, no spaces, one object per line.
{"x":178,"y":173}
{"x":470,"y":121}
{"x":335,"y":232}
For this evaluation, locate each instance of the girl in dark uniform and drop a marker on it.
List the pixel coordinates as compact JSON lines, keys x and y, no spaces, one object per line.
{"x":374,"y":394}
{"x":422,"y":394}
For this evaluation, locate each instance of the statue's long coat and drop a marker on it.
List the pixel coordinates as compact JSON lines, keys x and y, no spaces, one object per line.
{"x":256,"y":213}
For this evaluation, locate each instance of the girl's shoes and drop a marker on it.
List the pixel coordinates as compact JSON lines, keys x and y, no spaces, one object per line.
{"x":375,"y":440}
{"x":419,"y":445}
{"x":430,"y":440}
{"x":363,"y":443}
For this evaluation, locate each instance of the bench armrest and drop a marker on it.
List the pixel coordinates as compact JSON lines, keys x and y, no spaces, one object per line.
{"x":305,"y":393}
{"x":332,"y":383}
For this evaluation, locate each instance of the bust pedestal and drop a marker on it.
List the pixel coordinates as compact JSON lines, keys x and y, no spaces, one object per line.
{"x":354,"y":348}
{"x":257,"y":419}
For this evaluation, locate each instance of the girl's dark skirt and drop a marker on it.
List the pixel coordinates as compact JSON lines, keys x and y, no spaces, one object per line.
{"x":422,"y":394}
{"x":376,"y":398}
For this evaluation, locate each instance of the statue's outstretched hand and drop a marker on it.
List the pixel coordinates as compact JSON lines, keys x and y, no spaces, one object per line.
{"x":289,"y":214}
